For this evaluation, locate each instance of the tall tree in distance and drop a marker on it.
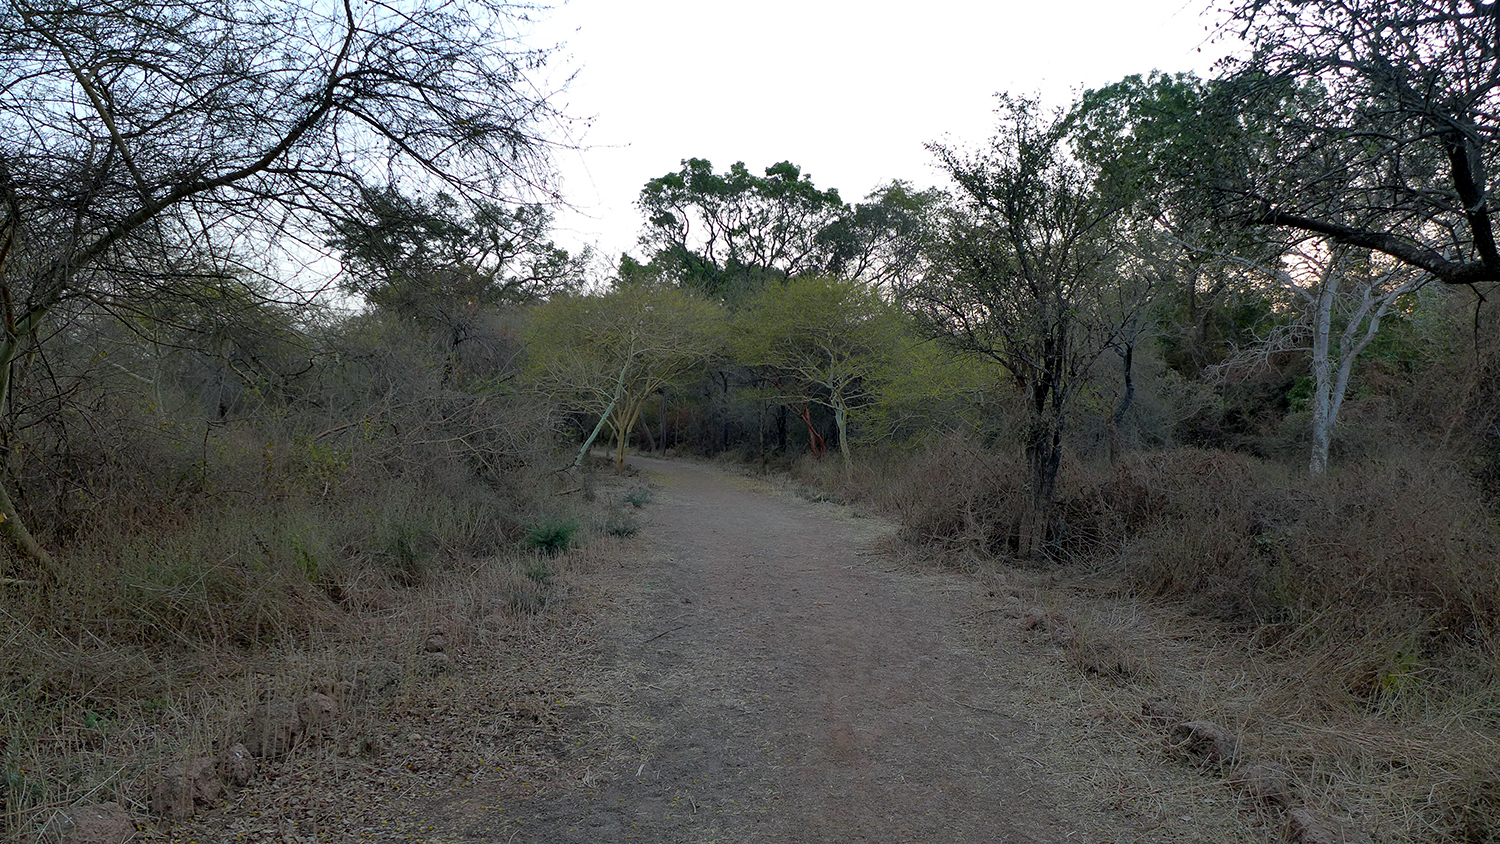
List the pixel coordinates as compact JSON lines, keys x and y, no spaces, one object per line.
{"x":425,"y":257}
{"x":883,"y":239}
{"x":724,"y":233}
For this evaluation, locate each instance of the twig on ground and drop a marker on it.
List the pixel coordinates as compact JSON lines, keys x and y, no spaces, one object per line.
{"x":665,"y":632}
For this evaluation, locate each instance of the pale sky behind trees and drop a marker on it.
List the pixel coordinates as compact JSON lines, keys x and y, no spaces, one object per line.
{"x":849,"y":91}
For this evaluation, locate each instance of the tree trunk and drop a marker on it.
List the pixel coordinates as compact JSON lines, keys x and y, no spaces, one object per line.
{"x":11,"y":526}
{"x":631,"y":413}
{"x":21,"y":539}
{"x":1116,"y":445}
{"x":781,"y":428}
{"x":724,"y":411}
{"x":604,"y":416}
{"x":646,"y":428}
{"x":1322,"y":397}
{"x":841,"y":420}
{"x":815,"y":442}
{"x":1043,"y":460}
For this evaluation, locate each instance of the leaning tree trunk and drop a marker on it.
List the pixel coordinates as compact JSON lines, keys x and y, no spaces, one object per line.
{"x":1117,"y":420}
{"x":11,"y":526}
{"x":604,"y":416}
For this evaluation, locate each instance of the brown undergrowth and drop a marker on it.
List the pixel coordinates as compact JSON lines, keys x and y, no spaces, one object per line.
{"x":156,"y":650}
{"x":1345,"y":628}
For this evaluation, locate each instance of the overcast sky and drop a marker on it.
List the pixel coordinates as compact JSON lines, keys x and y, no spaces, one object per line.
{"x":847,"y":91}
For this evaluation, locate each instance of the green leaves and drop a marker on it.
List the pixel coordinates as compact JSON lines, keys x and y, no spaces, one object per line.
{"x":430,"y":258}
{"x":607,"y":353}
{"x":723,"y":233}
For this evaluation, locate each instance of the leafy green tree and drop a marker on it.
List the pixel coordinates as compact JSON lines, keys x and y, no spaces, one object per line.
{"x":824,"y":340}
{"x":430,"y":258}
{"x":724,"y":233}
{"x":607,"y":353}
{"x":884,"y":238}
{"x":1157,"y":143}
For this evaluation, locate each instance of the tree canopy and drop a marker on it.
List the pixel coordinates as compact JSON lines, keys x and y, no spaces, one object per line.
{"x":1382,"y":126}
{"x":430,"y":258}
{"x":150,"y":141}
{"x":605,"y":354}
{"x":726,"y":234}
{"x":823,"y":340}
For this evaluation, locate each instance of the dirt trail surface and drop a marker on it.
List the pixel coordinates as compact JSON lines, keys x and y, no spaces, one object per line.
{"x":790,"y":683}
{"x":754,"y":666}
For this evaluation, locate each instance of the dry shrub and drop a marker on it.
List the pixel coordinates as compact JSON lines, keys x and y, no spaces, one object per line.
{"x":1109,"y":648}
{"x":195,"y":534}
{"x":876,"y":477}
{"x":1185,"y":523}
{"x":957,"y":495}
{"x":1410,"y":538}
{"x":1399,"y":544}
{"x":1382,"y":573}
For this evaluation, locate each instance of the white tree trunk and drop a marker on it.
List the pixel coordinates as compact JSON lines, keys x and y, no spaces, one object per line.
{"x":1323,"y":413}
{"x":841,"y":418}
{"x":1329,"y":387}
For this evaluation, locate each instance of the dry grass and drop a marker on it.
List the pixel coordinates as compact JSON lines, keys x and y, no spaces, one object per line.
{"x":100,"y":719}
{"x":1345,"y":628}
{"x":259,"y":552}
{"x":1390,"y":776}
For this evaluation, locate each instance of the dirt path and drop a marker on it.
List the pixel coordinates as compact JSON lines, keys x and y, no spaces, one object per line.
{"x":788,"y":683}
{"x":754,"y":667}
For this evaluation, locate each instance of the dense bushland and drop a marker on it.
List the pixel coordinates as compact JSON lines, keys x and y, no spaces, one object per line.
{"x":203,"y":509}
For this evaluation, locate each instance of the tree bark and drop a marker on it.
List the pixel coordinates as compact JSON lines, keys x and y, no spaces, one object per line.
{"x":841,"y":420}
{"x":1127,"y":363}
{"x":11,"y":525}
{"x":603,"y":417}
{"x":1322,"y":416}
{"x":1043,"y":460}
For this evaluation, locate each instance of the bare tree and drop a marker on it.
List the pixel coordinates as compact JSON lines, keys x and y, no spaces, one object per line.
{"x":141,"y":140}
{"x":1379,"y":123}
{"x":1343,"y":295}
{"x":1017,"y":276}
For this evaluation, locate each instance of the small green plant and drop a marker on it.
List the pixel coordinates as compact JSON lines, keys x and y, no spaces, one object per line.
{"x":638,"y":497}
{"x":621,"y":527}
{"x":552,"y":537}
